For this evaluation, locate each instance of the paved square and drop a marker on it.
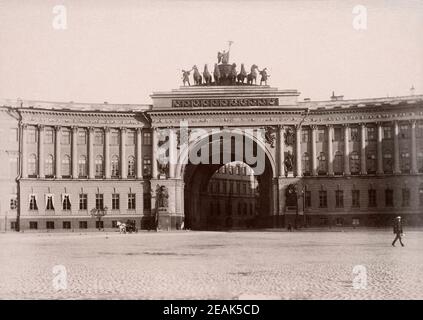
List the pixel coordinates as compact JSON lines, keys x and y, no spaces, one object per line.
{"x":221,"y":265}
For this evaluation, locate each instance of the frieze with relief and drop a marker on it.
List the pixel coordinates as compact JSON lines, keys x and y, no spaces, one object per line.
{"x":205,"y":103}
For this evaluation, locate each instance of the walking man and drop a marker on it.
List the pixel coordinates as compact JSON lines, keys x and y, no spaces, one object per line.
{"x":398,"y":231}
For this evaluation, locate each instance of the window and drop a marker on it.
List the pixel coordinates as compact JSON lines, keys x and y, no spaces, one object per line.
{"x":355,"y":198}
{"x":13,"y":225}
{"x":337,"y":134}
{"x":98,"y":137}
{"x":404,"y":131}
{"x":420,"y":161}
{"x":33,"y":202}
{"x":48,"y":166}
{"x":66,"y":137}
{"x":66,"y":202}
{"x":13,"y":203}
{"x":99,"y":172}
{"x":48,"y":136}
{"x":146,"y":138}
{"x":131,"y":137}
{"x":355,"y":136}
{"x":305,"y":135}
{"x":371,"y":133}
{"x":339,"y":221}
{"x":66,"y":224}
{"x":31,"y":135}
{"x":147,"y":201}
{"x":131,"y":201}
{"x":83,"y":201}
{"x":50,"y":224}
{"x":115,"y":166}
{"x":405,"y":197}
{"x":306,"y":164}
{"x":147,"y":166}
{"x":371,"y":163}
{"x":421,"y":195}
{"x":372,"y":198}
{"x":131,"y":167}
{"x":99,"y":201}
{"x":99,"y":224}
{"x":33,"y":225}
{"x":355,"y":221}
{"x":308,"y":199}
{"x":405,"y":162}
{"x":82,"y":137}
{"x":114,"y":138}
{"x":320,"y":135}
{"x":389,"y":197}
{"x":419,"y":130}
{"x":338,"y":163}
{"x":83,"y":224}
{"x":49,"y":202}
{"x":66,"y":166}
{"x":387,"y":162}
{"x":387,"y":132}
{"x":32,"y":165}
{"x":323,"y":199}
{"x":355,"y":163}
{"x":322,"y":168}
{"x":339,"y":198}
{"x":82,"y":166}
{"x":115,"y":201}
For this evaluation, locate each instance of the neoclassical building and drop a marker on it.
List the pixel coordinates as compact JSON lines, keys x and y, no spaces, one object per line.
{"x":327,"y":163}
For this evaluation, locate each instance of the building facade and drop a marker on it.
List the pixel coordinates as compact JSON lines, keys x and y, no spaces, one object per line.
{"x":335,"y":162}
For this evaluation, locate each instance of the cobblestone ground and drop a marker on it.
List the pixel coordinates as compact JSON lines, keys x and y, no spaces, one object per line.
{"x":208,"y":265}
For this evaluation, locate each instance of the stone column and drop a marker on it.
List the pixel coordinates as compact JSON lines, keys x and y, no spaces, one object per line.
{"x":363,"y":169}
{"x":24,"y":157}
{"x":107,"y":152}
{"x":41,"y":151}
{"x":91,"y":167}
{"x":172,"y":152}
{"x":123,"y":161}
{"x":298,"y":151}
{"x":413,"y":147}
{"x":313,"y":151}
{"x":346,"y":150}
{"x":397,"y":168}
{"x":75,"y":152}
{"x":154,"y":154}
{"x":57,"y":157}
{"x":139,"y":154}
{"x":379,"y":148}
{"x":281,"y":152}
{"x":330,"y":150}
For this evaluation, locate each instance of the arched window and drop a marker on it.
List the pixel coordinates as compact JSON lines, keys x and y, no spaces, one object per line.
{"x":82,"y":166}
{"x":48,"y":166}
{"x":306,"y":164}
{"x":338,"y":163}
{"x":387,"y":162}
{"x":420,"y":161}
{"x":405,"y":162}
{"x":115,"y":166}
{"x":355,"y":163}
{"x":99,"y":170}
{"x":131,"y":167}
{"x":32,"y":165}
{"x":66,"y":166}
{"x":322,"y":163}
{"x":371,"y":163}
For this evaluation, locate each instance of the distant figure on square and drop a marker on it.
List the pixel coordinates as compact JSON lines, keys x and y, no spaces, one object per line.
{"x":398,"y":231}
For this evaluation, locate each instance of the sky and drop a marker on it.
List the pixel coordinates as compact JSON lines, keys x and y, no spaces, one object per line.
{"x":122,"y":51}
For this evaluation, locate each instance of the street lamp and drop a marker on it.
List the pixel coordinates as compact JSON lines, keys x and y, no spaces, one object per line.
{"x":98,"y":213}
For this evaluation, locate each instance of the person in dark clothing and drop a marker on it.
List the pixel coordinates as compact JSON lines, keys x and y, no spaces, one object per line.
{"x":398,"y":231}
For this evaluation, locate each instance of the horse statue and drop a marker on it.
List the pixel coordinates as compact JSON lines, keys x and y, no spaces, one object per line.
{"x":198,"y":79}
{"x":122,"y":227}
{"x":216,"y":74}
{"x":206,"y":75}
{"x":242,"y":75}
{"x":232,"y":74}
{"x":252,"y":76}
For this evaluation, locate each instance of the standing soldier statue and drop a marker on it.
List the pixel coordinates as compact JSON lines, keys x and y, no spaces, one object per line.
{"x":223,"y":57}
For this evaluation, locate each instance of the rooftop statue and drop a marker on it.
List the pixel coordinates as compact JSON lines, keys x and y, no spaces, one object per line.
{"x":223,"y":57}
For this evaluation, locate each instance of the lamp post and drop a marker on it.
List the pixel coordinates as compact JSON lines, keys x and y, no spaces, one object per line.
{"x":98,"y":213}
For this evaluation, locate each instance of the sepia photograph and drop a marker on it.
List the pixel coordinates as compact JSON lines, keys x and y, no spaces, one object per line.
{"x":231,"y":151}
